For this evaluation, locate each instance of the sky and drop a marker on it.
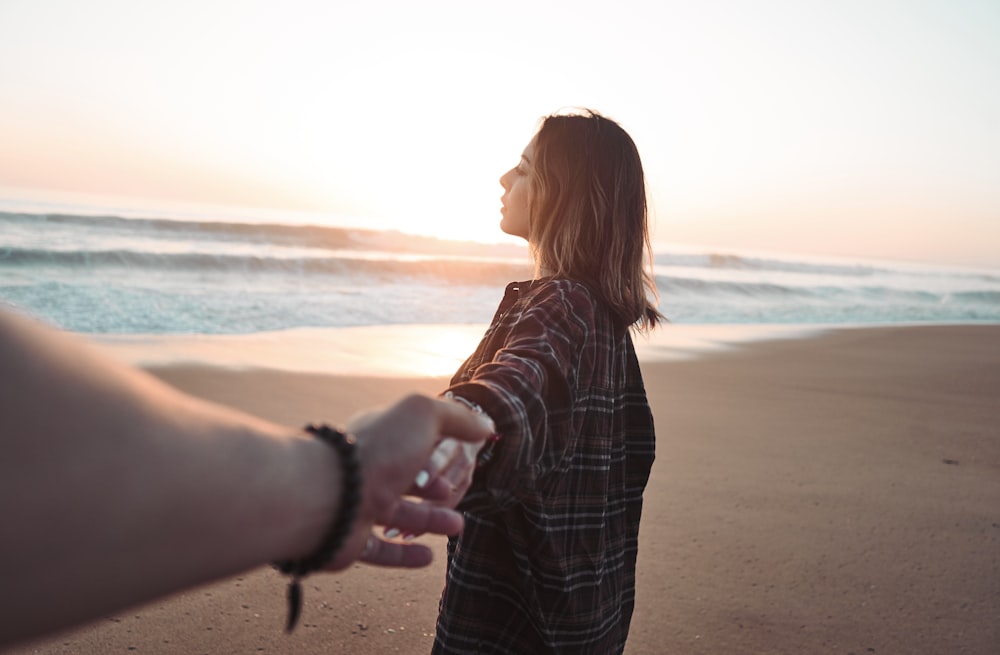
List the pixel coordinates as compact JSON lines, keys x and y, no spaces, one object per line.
{"x":851,"y":128}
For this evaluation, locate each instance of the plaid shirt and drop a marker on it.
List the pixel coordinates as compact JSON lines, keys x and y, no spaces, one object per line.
{"x":546,"y":563}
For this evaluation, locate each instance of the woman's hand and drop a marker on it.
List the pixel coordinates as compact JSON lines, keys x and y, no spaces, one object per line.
{"x":444,"y":480}
{"x":396,"y":449}
{"x":450,"y":470}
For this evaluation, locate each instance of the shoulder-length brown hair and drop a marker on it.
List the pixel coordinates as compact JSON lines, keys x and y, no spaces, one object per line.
{"x":589,"y":214}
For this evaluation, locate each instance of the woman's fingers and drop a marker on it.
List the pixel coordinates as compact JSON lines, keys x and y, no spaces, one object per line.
{"x":447,"y":474}
{"x":463,"y":432}
{"x":440,"y":459}
{"x":463,"y":465}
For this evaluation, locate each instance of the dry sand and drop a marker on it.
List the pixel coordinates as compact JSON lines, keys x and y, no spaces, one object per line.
{"x":832,"y":494}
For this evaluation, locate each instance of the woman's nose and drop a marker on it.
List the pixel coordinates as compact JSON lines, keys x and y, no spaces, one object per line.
{"x":504,"y":180}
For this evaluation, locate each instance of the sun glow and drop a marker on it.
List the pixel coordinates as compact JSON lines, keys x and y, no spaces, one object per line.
{"x":404,"y":115}
{"x":431,"y":350}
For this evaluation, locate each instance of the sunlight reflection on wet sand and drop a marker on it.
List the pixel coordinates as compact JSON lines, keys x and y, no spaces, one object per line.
{"x":396,"y":350}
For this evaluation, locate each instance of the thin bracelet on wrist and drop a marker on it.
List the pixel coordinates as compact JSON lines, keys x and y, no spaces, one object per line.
{"x":486,"y":452}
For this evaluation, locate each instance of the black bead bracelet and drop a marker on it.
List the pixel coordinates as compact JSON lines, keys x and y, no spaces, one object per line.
{"x":350,"y":498}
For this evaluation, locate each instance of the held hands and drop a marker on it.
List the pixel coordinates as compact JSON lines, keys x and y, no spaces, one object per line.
{"x":448,"y":473}
{"x":402,"y":452}
{"x":454,"y":462}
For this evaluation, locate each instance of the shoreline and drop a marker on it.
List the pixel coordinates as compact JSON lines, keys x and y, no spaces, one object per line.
{"x":406,"y":350}
{"x":835,"y":493}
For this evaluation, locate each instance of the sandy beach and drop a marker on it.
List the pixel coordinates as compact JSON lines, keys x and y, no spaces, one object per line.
{"x":838,"y":493}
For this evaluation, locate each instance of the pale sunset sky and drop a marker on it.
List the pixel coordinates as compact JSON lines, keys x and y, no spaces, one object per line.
{"x":854,"y":128}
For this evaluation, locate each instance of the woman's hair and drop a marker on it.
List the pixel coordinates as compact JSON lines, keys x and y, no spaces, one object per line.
{"x":589,"y":215}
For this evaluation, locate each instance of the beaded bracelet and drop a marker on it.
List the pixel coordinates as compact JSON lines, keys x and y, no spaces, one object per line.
{"x":350,"y":498}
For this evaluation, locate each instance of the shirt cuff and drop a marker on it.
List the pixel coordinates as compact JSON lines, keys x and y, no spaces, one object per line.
{"x":486,"y":452}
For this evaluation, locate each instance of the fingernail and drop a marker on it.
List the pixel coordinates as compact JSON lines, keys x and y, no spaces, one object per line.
{"x":391,"y":533}
{"x":488,"y":422}
{"x":422,"y":479}
{"x":409,"y":536}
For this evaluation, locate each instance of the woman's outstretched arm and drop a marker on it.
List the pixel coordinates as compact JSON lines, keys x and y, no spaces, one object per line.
{"x":115,"y":488}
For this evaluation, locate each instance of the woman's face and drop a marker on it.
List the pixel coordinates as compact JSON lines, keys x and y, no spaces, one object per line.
{"x":516,"y":198}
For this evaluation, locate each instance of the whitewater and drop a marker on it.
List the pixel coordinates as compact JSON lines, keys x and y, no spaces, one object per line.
{"x":109,"y":274}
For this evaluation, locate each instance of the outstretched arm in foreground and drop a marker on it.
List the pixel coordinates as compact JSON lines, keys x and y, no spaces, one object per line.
{"x":115,"y":488}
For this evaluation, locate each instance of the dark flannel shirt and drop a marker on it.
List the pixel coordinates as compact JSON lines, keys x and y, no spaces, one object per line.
{"x":546,"y":562}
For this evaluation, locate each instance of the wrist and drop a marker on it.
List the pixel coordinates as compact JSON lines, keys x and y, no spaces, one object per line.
{"x":315,"y":484}
{"x":339,"y":529}
{"x":482,"y":453}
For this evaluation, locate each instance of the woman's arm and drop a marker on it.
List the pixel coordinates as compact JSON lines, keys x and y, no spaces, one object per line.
{"x":528,"y":387}
{"x":115,"y":488}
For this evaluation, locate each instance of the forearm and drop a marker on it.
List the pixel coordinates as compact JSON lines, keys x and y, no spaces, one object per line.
{"x":115,"y":489}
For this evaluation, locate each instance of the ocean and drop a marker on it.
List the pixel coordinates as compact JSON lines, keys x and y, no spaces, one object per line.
{"x":110,"y":274}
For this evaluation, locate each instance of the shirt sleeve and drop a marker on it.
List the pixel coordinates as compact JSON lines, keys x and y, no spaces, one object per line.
{"x":529,"y":389}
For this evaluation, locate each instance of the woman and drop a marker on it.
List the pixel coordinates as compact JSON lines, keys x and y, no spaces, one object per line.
{"x":546,"y":561}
